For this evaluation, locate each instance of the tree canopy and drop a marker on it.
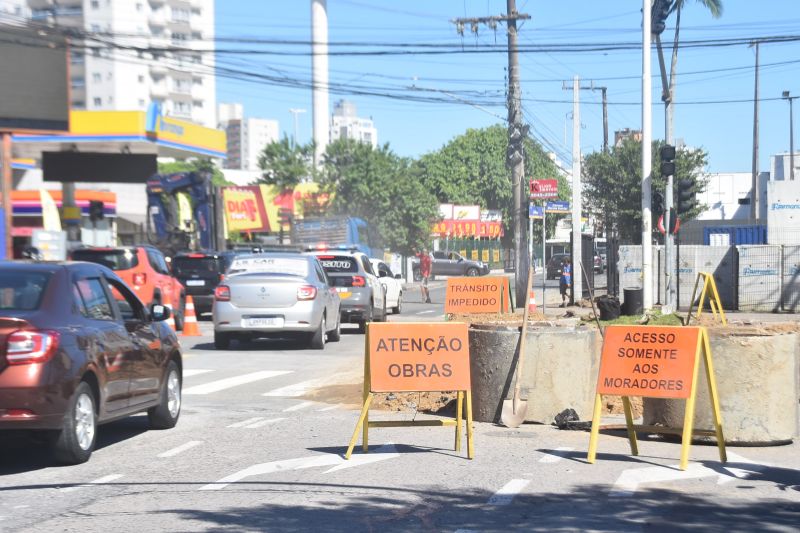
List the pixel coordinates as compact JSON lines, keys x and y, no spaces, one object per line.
{"x":286,"y":164}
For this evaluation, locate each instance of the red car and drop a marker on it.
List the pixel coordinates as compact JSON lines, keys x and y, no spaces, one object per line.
{"x":78,"y":349}
{"x":145,"y":269}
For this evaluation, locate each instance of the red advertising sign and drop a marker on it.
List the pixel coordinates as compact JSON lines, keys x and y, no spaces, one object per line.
{"x":468,"y":228}
{"x":544,"y":188}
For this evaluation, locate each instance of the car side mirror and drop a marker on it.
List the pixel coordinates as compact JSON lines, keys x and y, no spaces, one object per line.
{"x":159,"y":313}
{"x":398,"y":276}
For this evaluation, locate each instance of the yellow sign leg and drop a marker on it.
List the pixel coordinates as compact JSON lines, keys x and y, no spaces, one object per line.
{"x":715,"y":292}
{"x":688,"y":418}
{"x":598,"y":404}
{"x":459,"y":409}
{"x":361,"y":421}
{"x":712,"y":391}
{"x":470,"y":436}
{"x":703,"y":295}
{"x":626,"y":404}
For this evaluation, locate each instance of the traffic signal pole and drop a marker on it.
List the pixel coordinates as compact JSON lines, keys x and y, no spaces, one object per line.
{"x":647,"y":163}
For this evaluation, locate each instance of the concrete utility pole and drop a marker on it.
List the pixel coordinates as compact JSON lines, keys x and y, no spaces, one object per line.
{"x":319,"y":77}
{"x":604,"y":91}
{"x":787,"y":96}
{"x":295,"y":111}
{"x":647,"y":163}
{"x":754,"y":200}
{"x":516,"y":137}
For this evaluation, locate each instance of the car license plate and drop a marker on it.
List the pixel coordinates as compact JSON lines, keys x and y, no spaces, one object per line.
{"x":195,"y":282}
{"x":343,"y":292}
{"x":271,"y":322}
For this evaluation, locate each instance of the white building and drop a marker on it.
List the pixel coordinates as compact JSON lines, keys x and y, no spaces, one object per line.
{"x":727,"y":196}
{"x":346,"y":124}
{"x":106,"y":77}
{"x":779,"y":166}
{"x":246,"y":140}
{"x":228,"y":112}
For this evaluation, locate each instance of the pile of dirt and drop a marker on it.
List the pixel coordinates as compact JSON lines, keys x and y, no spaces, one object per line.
{"x":350,"y":395}
{"x":612,"y":405}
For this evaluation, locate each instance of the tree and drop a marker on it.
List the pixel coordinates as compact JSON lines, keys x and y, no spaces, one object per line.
{"x":471,"y":169}
{"x":613,"y":183}
{"x":377,"y":185}
{"x":195,"y":165}
{"x":286,"y":164}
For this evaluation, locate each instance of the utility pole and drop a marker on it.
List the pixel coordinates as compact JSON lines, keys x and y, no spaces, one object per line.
{"x":516,"y":137}
{"x":295,"y":111}
{"x":604,"y":91}
{"x":788,"y":96}
{"x":320,"y":108}
{"x":754,"y":200}
{"x":647,"y":163}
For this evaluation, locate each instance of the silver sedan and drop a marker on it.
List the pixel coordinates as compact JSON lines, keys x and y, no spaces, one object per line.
{"x":276,"y":295}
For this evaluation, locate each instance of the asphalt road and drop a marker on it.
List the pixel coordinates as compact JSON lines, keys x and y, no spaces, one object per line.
{"x":250,"y":453}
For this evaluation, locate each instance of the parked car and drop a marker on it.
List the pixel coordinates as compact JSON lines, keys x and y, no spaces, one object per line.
{"x":392,"y":283}
{"x":276,"y":295}
{"x":145,"y":269}
{"x":554,"y":265}
{"x":79,"y":349}
{"x":452,"y":264}
{"x":200,"y":273}
{"x":363,"y":296}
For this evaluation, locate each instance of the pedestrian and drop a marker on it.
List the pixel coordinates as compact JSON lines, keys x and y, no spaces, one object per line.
{"x":425,"y":271}
{"x":565,"y":283}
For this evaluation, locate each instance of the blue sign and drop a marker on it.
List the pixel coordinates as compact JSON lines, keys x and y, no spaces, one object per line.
{"x":535,"y":211}
{"x":557,"y":207}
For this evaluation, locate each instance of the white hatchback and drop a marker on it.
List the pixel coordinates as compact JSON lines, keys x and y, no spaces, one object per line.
{"x":392,"y":283}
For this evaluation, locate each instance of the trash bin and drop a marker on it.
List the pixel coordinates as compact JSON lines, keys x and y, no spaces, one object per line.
{"x":634,"y":301}
{"x":609,"y":307}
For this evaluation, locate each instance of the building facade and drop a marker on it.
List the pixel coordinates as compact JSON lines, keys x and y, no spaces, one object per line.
{"x":346,"y":124}
{"x":247,"y":138}
{"x":107,"y":76}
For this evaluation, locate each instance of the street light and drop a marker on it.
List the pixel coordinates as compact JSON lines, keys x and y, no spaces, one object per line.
{"x":791,"y":134}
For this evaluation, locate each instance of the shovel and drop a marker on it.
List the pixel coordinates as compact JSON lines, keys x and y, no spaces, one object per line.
{"x":513,"y":413}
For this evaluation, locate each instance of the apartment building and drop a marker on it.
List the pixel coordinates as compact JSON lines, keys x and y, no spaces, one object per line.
{"x":346,"y":124}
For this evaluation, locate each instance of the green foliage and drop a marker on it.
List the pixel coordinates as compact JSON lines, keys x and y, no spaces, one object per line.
{"x":285,"y":165}
{"x":613,"y":184}
{"x":195,"y":165}
{"x":472,"y":169}
{"x":379,"y":186}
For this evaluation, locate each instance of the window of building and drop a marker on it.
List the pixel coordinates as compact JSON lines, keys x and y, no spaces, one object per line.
{"x":79,"y":104}
{"x":141,"y":78}
{"x":110,"y":99}
{"x":139,"y":6}
{"x":97,"y":77}
{"x":198,"y":104}
{"x":95,"y":28}
{"x":109,"y":75}
{"x":95,"y":4}
{"x":141,"y":102}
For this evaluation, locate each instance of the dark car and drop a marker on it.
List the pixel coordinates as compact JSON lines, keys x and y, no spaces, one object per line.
{"x":554,"y":265}
{"x":200,"y":273}
{"x":79,"y":349}
{"x":452,"y":264}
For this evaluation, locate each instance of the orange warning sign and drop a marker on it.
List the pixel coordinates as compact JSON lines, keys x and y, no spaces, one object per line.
{"x":650,"y":361}
{"x":485,"y":294}
{"x":418,"y":357}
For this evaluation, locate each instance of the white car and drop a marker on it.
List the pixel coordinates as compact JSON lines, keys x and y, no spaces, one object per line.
{"x":392,"y":283}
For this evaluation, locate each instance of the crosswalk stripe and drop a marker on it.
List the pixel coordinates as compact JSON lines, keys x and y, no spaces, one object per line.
{"x":556,"y":455}
{"x":298,"y":389}
{"x":298,"y":407}
{"x":264,"y":423}
{"x":246,"y":422}
{"x":98,"y":481}
{"x":329,"y":408}
{"x":506,"y":495}
{"x":227,"y":383}
{"x":189,"y":372}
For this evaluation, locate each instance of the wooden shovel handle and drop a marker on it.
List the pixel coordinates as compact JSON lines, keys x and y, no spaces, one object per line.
{"x":525,"y":316}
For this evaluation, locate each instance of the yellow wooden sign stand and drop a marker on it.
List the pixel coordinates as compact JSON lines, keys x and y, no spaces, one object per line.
{"x":710,"y":291}
{"x":704,"y":347}
{"x":463,"y":399}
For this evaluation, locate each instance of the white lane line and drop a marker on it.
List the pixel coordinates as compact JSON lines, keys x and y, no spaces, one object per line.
{"x":227,"y":383}
{"x":246,"y":422}
{"x":426,"y":312}
{"x":329,"y":408}
{"x":180,"y":449}
{"x":298,"y":407}
{"x":506,"y":495}
{"x":189,"y":372}
{"x":98,"y":481}
{"x":298,"y":389}
{"x":264,"y":423}
{"x":556,"y":455}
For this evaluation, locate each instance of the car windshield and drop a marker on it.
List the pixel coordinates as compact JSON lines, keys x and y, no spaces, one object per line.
{"x":113,"y":259}
{"x":195,"y":265}
{"x":22,"y":291}
{"x":338,"y":264}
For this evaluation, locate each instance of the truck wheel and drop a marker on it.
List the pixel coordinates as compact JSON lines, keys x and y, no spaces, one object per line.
{"x":472,"y":272}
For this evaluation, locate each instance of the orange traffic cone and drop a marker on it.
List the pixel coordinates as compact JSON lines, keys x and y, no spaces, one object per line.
{"x":171,"y":319}
{"x":532,"y":302}
{"x":190,"y":327}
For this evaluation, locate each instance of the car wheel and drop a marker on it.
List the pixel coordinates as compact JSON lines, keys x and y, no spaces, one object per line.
{"x":399,"y":307}
{"x":165,"y":414}
{"x":75,"y":442}
{"x":221,"y":340}
{"x":180,"y":313}
{"x":336,"y":334}
{"x":472,"y":272}
{"x":317,"y":341}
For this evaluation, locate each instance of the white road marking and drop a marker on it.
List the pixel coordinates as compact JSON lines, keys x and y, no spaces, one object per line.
{"x":264,"y":423}
{"x":554,"y":456}
{"x":506,"y":495}
{"x":189,"y":372}
{"x":246,"y":422}
{"x":741,"y":473}
{"x":298,"y":407}
{"x":298,"y":389}
{"x":180,"y":449}
{"x":426,"y":312}
{"x":98,"y":481}
{"x":227,"y":383}
{"x":387,"y":451}
{"x":329,"y":408}
{"x":629,"y":481}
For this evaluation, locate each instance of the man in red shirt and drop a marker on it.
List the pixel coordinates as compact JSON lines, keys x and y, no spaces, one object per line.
{"x":425,"y":272}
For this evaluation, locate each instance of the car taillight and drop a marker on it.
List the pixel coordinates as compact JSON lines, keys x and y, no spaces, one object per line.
{"x":25,"y":347}
{"x":306,"y":292}
{"x":359,"y":281}
{"x":222,"y":293}
{"x":139,"y":278}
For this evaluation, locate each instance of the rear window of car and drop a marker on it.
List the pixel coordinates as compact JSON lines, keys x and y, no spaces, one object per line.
{"x":22,"y":291}
{"x":195,"y":265}
{"x":336,"y":264}
{"x":270,"y":265}
{"x":113,"y":259}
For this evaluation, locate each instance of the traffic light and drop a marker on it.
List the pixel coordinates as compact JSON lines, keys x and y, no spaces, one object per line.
{"x":96,"y":210}
{"x":686,"y":200}
{"x":658,"y":205}
{"x":667,"y":160}
{"x":658,"y":16}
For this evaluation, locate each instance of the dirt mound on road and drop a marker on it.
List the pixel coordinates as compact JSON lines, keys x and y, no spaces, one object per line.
{"x":351,"y":396}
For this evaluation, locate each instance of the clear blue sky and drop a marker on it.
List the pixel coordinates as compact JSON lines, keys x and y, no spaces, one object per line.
{"x":413,"y":128}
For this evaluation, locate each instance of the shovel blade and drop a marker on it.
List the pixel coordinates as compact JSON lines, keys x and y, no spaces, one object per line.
{"x":513,"y":413}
